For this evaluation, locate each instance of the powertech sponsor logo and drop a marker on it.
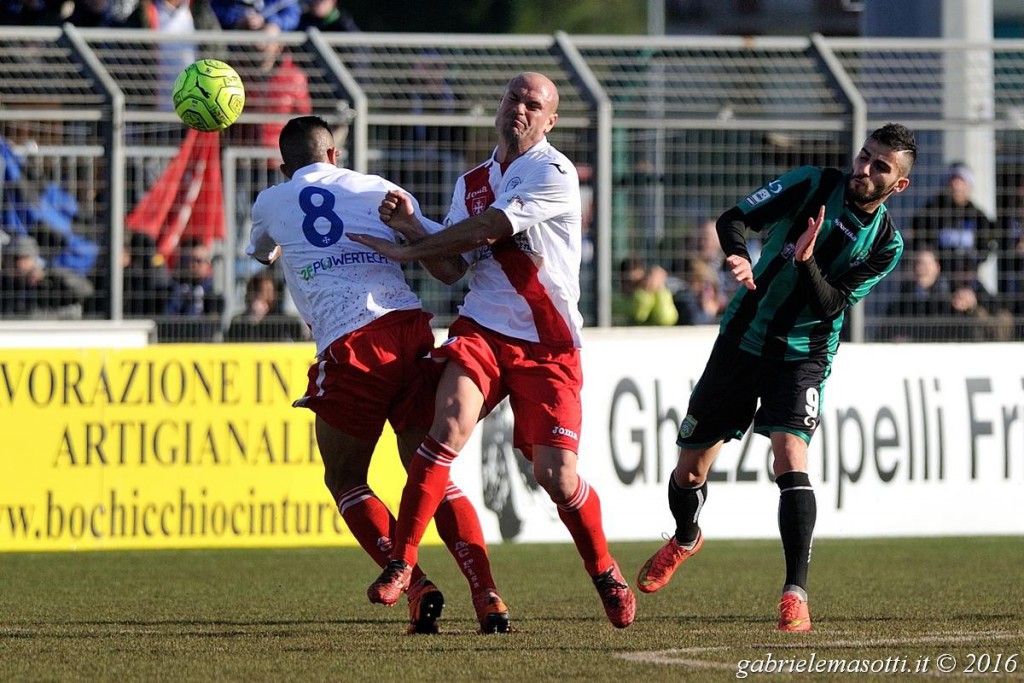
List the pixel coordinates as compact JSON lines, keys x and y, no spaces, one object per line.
{"x":311,"y":270}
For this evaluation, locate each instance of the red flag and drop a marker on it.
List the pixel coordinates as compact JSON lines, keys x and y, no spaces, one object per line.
{"x":187,"y":200}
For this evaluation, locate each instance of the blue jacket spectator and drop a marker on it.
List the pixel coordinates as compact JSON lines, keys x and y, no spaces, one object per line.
{"x":253,"y":15}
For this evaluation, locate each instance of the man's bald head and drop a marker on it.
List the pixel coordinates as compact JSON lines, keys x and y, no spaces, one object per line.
{"x":538,"y":82}
{"x":527,"y":111}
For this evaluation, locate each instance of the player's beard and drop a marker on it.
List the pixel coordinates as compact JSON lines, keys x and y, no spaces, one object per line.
{"x":861,"y":197}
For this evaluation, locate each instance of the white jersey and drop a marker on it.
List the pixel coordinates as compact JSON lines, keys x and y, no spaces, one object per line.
{"x":338,"y":285}
{"x":526,"y":286}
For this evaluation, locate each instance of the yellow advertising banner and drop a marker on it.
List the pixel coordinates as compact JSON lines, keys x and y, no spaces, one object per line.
{"x":168,"y":446}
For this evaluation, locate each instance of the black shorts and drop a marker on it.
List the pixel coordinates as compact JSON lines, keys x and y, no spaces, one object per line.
{"x":725,"y":399}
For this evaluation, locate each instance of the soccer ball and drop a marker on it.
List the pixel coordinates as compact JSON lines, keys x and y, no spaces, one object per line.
{"x":208,"y":95}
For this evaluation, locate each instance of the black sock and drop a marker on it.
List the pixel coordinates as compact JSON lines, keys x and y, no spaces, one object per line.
{"x":685,"y":504}
{"x":797,"y":513}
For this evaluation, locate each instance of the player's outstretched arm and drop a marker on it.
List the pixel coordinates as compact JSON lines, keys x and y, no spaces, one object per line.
{"x":398,"y":211}
{"x":474,"y":232}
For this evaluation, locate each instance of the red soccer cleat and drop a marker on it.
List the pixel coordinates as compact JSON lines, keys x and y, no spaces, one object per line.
{"x":619,"y":601}
{"x":390,"y":585}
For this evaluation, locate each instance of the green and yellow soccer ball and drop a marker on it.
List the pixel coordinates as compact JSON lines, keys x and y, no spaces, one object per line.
{"x":208,"y":95}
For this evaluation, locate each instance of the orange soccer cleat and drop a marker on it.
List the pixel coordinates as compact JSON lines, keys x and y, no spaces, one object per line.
{"x":425,"y":604}
{"x":794,"y":616}
{"x":492,"y":613}
{"x":658,"y":570}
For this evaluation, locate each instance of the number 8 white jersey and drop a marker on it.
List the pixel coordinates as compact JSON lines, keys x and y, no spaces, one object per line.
{"x":338,"y":285}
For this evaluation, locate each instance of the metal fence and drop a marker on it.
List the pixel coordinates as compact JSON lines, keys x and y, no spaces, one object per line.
{"x":667,"y":133}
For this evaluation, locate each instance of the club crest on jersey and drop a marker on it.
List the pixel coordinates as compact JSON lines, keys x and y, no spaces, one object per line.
{"x":687,"y":427}
{"x":859,"y":258}
{"x":788,"y":249}
{"x":513,"y":183}
{"x":477,"y":200}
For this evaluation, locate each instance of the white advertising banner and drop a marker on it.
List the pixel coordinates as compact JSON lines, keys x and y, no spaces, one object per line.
{"x":914,"y":440}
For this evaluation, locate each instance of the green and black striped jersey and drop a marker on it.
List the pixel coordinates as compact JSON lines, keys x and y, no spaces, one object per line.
{"x":783,"y":318}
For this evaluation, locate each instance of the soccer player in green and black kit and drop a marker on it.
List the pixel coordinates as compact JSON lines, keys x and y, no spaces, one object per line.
{"x":827,"y":240}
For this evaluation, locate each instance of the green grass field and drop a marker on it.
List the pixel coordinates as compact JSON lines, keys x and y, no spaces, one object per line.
{"x":298,"y":615}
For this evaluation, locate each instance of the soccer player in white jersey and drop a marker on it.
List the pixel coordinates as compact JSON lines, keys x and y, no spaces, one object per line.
{"x":372,"y":337}
{"x":516,"y":222}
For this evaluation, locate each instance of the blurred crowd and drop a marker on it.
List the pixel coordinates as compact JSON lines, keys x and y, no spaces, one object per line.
{"x":961,"y":277}
{"x":180,"y":15}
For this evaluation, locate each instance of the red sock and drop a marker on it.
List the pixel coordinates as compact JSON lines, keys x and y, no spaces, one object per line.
{"x":424,"y":489}
{"x":581,"y":514}
{"x":459,"y":527}
{"x":371,"y":523}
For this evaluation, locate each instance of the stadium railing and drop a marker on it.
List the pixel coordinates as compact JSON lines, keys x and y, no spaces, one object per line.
{"x":667,"y":132}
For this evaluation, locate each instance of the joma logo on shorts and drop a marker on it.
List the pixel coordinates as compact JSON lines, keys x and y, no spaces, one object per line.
{"x":562,"y":431}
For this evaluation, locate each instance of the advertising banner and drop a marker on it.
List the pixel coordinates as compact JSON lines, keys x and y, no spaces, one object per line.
{"x":913,"y":440}
{"x":166,"y":446}
{"x":189,"y":446}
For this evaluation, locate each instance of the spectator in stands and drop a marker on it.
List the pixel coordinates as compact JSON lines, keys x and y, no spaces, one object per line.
{"x":922,"y":309}
{"x":701,"y":301}
{"x":29,"y":289}
{"x":631,"y":274}
{"x":652,"y":300}
{"x":178,"y":17}
{"x":32,"y":12}
{"x":978,"y":317}
{"x":264,"y":318}
{"x":256,"y":15}
{"x":193,"y":292}
{"x":106,"y":14}
{"x":929,"y":308}
{"x":326,"y":15}
{"x":279,"y":87}
{"x":958,"y":231}
{"x":1011,"y":252}
{"x":706,"y":247}
{"x":147,"y":281}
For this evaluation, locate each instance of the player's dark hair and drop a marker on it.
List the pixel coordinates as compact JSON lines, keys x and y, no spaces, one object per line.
{"x":305,"y":140}
{"x":898,"y":138}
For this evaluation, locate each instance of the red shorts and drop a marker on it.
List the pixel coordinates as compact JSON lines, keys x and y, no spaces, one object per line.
{"x":379,"y":372}
{"x":543,"y":383}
